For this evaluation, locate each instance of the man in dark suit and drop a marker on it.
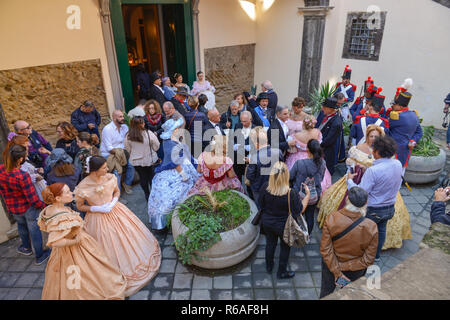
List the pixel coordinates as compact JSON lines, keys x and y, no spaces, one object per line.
{"x":279,"y":127}
{"x":241,"y":143}
{"x":211,"y":127}
{"x":231,"y":118}
{"x":155,"y":91}
{"x":261,"y":162}
{"x":267,"y":90}
{"x":330,"y":124}
{"x":264,"y":114}
{"x":179,"y":101}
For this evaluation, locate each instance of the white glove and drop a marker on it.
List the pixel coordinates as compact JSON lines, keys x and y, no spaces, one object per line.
{"x":113,"y":203}
{"x":103,"y":208}
{"x":235,"y":147}
{"x":184,"y":176}
{"x":247,"y":147}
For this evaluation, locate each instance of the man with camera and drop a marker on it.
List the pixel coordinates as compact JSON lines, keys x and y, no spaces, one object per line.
{"x":441,"y":196}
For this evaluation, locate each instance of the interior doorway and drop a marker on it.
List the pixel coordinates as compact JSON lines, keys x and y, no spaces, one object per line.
{"x":155,"y":38}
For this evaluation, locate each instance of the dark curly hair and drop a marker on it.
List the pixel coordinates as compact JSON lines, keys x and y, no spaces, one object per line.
{"x":385,"y":146}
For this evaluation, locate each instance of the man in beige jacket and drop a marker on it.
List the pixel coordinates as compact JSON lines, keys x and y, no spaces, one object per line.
{"x":349,"y":243}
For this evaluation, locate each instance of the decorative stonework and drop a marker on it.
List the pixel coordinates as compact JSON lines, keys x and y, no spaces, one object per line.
{"x":45,"y":95}
{"x":230,"y":70}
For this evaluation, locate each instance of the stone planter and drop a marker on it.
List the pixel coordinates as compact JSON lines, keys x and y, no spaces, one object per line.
{"x":236,"y":245}
{"x":425,"y":169}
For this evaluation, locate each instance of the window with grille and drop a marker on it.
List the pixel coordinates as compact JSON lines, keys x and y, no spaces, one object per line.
{"x":363,"y":35}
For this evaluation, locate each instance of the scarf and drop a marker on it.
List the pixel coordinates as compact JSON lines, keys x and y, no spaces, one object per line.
{"x":154,"y":119}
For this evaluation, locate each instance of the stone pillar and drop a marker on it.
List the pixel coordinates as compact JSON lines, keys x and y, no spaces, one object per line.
{"x":119,"y":102}
{"x":195,"y":13}
{"x":314,"y":14}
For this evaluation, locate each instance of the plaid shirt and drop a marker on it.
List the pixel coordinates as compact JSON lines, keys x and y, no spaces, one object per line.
{"x":18,"y":191}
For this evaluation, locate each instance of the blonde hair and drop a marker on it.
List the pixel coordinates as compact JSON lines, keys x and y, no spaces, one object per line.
{"x":258,"y":136}
{"x":218,"y":144}
{"x":279,"y":179}
{"x":372,"y":127}
{"x":192,"y":102}
{"x":308,"y":122}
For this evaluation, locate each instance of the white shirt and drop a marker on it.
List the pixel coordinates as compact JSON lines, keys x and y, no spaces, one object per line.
{"x":160,"y":89}
{"x":112,"y":138}
{"x":246,"y":131}
{"x":285,"y":128}
{"x":216,"y":126}
{"x":138,"y":111}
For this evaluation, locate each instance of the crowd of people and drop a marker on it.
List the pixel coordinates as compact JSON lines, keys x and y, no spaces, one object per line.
{"x":179,"y":145}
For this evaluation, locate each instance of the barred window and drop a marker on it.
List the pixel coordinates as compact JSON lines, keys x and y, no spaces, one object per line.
{"x":363,"y":35}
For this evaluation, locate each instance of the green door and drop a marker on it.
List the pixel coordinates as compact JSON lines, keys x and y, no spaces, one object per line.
{"x":179,"y":41}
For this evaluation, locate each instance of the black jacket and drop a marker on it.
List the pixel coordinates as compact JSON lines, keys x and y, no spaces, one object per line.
{"x":259,"y":161}
{"x":155,"y":128}
{"x":155,"y":93}
{"x":330,"y":133}
{"x":273,"y":100}
{"x":240,"y":153}
{"x":225,"y":117}
{"x":282,"y":143}
{"x":208,"y":126}
{"x":179,"y":106}
{"x":438,"y":213}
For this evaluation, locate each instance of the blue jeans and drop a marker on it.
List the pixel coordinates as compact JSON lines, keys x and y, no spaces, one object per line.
{"x":380,"y":216}
{"x":129,"y":175}
{"x":28,"y":229}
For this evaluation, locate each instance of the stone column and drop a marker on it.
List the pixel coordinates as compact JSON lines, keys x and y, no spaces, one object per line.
{"x":195,"y":13}
{"x":111,"y":56}
{"x":312,"y":45}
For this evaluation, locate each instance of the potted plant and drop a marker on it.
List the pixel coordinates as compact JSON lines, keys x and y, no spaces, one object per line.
{"x":427,"y":160}
{"x":317,"y":97}
{"x":214,"y":231}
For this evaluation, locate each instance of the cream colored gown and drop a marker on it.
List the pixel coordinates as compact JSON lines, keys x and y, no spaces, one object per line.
{"x":81,"y":271}
{"x":398,"y":228}
{"x":128,"y":243}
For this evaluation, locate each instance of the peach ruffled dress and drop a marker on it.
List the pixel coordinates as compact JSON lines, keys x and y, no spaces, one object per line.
{"x":80,"y":271}
{"x":128,"y":243}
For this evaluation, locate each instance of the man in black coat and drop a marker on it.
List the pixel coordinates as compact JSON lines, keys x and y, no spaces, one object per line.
{"x":279,"y":127}
{"x":155,"y":91}
{"x":179,"y":101}
{"x":267,"y":89}
{"x":211,"y":127}
{"x":231,"y":118}
{"x":330,"y":124}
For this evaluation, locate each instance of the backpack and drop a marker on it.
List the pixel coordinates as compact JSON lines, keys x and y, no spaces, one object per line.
{"x":311,"y":183}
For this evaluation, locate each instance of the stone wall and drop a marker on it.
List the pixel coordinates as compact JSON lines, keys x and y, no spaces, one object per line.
{"x":230,"y":70}
{"x":46,"y":95}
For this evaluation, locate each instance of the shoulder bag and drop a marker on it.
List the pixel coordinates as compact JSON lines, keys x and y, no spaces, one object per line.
{"x":295,"y":232}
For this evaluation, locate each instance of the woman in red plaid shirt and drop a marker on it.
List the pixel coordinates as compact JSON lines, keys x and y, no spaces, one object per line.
{"x":22,"y":202}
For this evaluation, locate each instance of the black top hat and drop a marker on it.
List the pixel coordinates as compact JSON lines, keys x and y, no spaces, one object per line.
{"x":153,"y":77}
{"x":347,"y":73}
{"x":330,"y":102}
{"x":183,"y":91}
{"x":402,"y":97}
{"x":378,"y":99}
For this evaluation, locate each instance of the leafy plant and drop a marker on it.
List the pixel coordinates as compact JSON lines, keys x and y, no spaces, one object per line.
{"x":319,"y":95}
{"x":127,"y":119}
{"x":426,"y":147}
{"x":346,"y":125}
{"x":206,"y":217}
{"x":253,"y":90}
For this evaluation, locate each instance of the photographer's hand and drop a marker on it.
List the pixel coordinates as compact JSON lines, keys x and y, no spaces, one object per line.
{"x":441,"y":195}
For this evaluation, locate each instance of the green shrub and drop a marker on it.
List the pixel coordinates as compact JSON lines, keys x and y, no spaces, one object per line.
{"x":318,"y":96}
{"x":206,"y":217}
{"x":426,"y":147}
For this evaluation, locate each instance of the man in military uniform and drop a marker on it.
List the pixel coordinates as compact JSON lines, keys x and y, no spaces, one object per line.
{"x":330,"y":124}
{"x":404,"y":125}
{"x":360,"y":102}
{"x":372,"y":116}
{"x":345,"y":86}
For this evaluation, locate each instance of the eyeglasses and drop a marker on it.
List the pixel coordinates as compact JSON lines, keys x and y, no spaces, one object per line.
{"x":27,"y":128}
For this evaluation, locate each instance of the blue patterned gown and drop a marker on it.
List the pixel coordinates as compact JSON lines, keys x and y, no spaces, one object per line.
{"x":168,"y":189}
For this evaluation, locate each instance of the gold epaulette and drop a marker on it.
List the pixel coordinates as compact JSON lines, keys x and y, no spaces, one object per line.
{"x":394,"y":115}
{"x":417,"y":113}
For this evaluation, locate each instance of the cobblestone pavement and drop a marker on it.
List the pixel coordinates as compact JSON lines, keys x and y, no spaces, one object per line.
{"x":21,"y":279}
